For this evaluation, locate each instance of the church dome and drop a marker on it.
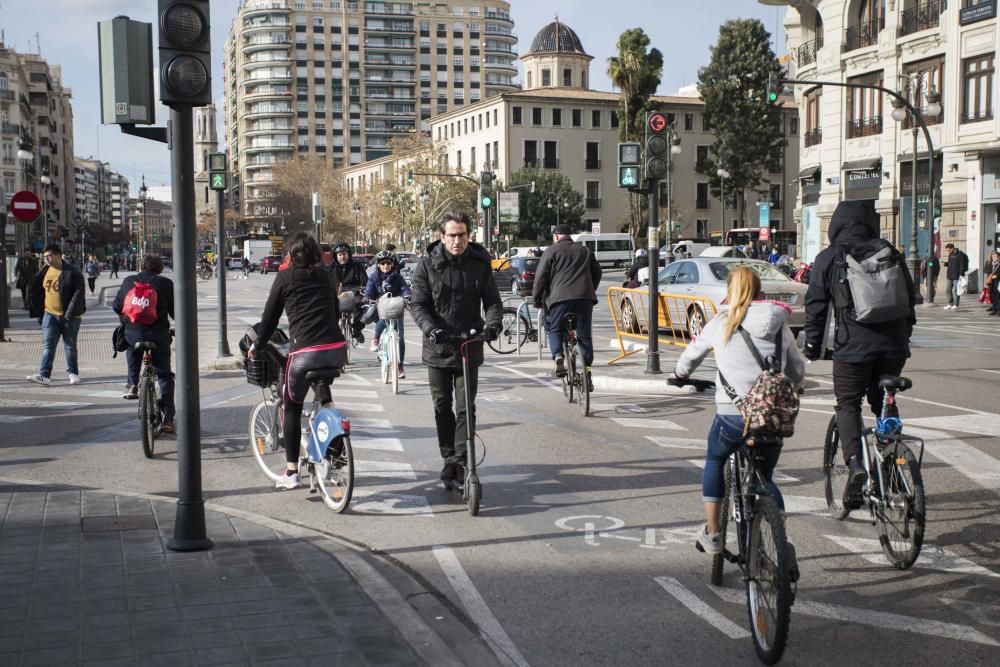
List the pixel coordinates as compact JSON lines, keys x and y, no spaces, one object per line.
{"x":556,"y":37}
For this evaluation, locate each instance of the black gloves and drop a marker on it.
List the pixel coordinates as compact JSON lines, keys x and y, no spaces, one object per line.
{"x":492,"y":332}
{"x":438,"y":336}
{"x":811,"y":352}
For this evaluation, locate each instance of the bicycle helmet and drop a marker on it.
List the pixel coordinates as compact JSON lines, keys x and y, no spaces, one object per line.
{"x":640,"y":253}
{"x":383,"y":256}
{"x":342,"y":247}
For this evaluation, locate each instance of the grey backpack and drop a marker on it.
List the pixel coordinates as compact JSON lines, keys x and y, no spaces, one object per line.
{"x":877,"y":286}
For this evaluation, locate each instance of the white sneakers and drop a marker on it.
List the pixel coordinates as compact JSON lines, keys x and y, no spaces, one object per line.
{"x":710,"y":543}
{"x":374,"y":347}
{"x":74,"y":378}
{"x":288,"y":481}
{"x":950,"y":307}
{"x":38,"y":378}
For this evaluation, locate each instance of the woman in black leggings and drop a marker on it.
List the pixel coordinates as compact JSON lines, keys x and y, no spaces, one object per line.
{"x":307,"y":292}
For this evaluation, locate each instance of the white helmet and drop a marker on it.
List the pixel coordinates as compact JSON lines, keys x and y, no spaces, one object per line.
{"x":640,"y":253}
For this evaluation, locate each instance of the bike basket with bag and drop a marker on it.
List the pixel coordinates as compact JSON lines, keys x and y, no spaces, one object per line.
{"x":260,"y":370}
{"x":771,"y":405}
{"x":875,"y":286}
{"x":347,"y":302}
{"x":390,"y":307}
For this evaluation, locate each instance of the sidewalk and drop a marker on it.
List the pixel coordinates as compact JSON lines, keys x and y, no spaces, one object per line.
{"x":85,"y":578}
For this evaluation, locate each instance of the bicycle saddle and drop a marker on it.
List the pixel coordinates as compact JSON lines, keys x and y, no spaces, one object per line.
{"x":326,"y":375}
{"x":569,"y":319}
{"x":145,"y":345}
{"x":894,"y":383}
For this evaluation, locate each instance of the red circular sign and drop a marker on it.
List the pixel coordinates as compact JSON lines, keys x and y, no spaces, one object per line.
{"x":25,"y":206}
{"x":657,"y":122}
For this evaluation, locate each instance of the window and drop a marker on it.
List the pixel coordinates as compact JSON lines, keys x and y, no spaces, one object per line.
{"x":529,"y":80}
{"x":568,"y":78}
{"x":701,"y":158}
{"x":487,"y":163}
{"x":706,"y":124}
{"x":595,"y":118}
{"x":472,"y":158}
{"x":701,"y":198}
{"x":546,"y":78}
{"x":918,"y":79}
{"x":557,"y":118}
{"x":977,"y":88}
{"x":688,"y":122}
{"x":776,"y":196}
{"x":811,"y":108}
{"x":793,"y":125}
{"x":577,"y":118}
{"x":536,"y":115}
{"x":864,"y":107}
{"x":593,"y":153}
{"x":614,"y":118}
{"x":458,"y":160}
{"x":531,"y":153}
{"x":593,"y":198}
{"x":701,"y":229}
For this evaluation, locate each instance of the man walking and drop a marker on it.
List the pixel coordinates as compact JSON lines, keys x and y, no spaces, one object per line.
{"x":24,"y":273}
{"x":114,"y":266}
{"x":566,"y":281}
{"x":451,"y":287}
{"x":958,"y":265}
{"x":58,"y":301}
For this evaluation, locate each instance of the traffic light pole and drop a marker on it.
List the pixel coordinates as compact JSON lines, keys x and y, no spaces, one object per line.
{"x":220,"y":234}
{"x":4,"y":296}
{"x":653,"y":345}
{"x":189,"y":527}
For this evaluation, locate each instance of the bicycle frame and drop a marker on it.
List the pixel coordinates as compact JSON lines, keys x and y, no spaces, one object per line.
{"x":886,"y":432}
{"x":747,"y":482}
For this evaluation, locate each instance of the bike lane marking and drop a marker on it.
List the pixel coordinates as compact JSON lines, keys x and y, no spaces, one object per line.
{"x":494,"y":634}
{"x":932,"y":557}
{"x":975,"y":464}
{"x":881,"y":620}
{"x":638,"y":422}
{"x":701,"y":608}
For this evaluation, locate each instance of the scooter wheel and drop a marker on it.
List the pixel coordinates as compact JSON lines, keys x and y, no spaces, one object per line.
{"x":475,"y":494}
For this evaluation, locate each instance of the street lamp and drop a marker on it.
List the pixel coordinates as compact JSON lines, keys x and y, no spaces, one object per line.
{"x":143,"y":193}
{"x":423,"y":196}
{"x":723,"y":175}
{"x":557,"y":207}
{"x":900,"y":112}
{"x":46,"y":182}
{"x":356,"y":208}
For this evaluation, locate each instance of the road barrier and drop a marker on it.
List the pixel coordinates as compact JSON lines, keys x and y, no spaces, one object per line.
{"x":682,"y":316}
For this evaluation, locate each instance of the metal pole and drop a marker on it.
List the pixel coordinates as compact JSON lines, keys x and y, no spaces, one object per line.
{"x":652,"y":349}
{"x":932,"y":259}
{"x":219,"y":238}
{"x":655,"y":268}
{"x":722,"y":221}
{"x":914,"y":260}
{"x":189,"y":527}
{"x":4,"y":301}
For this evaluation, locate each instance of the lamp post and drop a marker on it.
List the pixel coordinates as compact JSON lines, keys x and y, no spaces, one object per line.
{"x":356,"y":209}
{"x":675,"y":149}
{"x":143,"y":193}
{"x":46,"y":182}
{"x":559,"y":205}
{"x":25,"y":155}
{"x":900,"y":112}
{"x":723,"y":175}
{"x":423,"y":196}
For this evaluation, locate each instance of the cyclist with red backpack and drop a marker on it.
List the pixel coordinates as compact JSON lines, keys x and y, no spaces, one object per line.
{"x":144,"y":304}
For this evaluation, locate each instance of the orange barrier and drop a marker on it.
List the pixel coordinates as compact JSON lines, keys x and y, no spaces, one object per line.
{"x":682,"y":316}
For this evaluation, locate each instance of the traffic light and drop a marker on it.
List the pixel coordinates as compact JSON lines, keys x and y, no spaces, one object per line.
{"x":409,"y":177}
{"x":656,"y":145}
{"x":773,"y":87}
{"x":185,"y":53}
{"x":629,"y":165}
{"x":486,"y":189}
{"x":217,"y":171}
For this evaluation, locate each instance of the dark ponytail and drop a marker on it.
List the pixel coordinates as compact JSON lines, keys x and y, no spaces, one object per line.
{"x":305,"y":251}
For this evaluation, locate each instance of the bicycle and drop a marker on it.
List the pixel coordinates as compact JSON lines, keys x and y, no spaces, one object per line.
{"x":326,"y":456}
{"x":763,"y":554}
{"x":575,"y":379}
{"x":472,"y":489}
{"x":894,"y":492}
{"x":205,"y":272}
{"x":348,"y":303}
{"x":512,"y":334}
{"x":150,"y":417}
{"x":390,"y":309}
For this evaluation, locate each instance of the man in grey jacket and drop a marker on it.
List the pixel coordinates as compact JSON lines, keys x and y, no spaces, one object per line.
{"x":566,"y":282}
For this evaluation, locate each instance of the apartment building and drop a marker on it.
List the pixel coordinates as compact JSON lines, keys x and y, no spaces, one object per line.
{"x":101,"y":196}
{"x":852,"y":148}
{"x":36,"y":118}
{"x":557,"y":123}
{"x":341,"y":78}
{"x":150,"y":225}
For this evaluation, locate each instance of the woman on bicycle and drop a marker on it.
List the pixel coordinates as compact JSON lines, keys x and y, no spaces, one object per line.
{"x":307,"y":293}
{"x":386,"y":279}
{"x":763,"y":320}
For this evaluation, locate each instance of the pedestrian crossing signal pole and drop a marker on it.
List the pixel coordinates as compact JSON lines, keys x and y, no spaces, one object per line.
{"x":656,"y":156}
{"x":217,"y":182}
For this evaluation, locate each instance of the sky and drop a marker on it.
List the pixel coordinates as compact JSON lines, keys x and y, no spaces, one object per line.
{"x":67,"y":36}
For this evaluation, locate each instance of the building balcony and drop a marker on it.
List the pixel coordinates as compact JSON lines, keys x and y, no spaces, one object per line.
{"x":502,"y":17}
{"x":263,"y":44}
{"x":386,"y":113}
{"x":863,"y":34}
{"x":924,"y":16}
{"x":276,"y":59}
{"x":550,"y":163}
{"x":251,"y":28}
{"x":390,"y":80}
{"x":268,"y":147}
{"x":260,"y":129}
{"x":813,"y":137}
{"x":390,"y":63}
{"x":505,"y":66}
{"x":396,"y":29}
{"x":267,"y":92}
{"x":499,"y":48}
{"x":7,"y":95}
{"x":261,"y":164}
{"x":10,"y":128}
{"x":265,"y":7}
{"x":591,"y":202}
{"x":592,"y":164}
{"x":908,"y":122}
{"x":530,"y":163}
{"x":864,"y":127}
{"x":375,"y":46}
{"x":386,"y":9}
{"x":273,"y":76}
{"x":389,"y":128}
{"x":266,"y":112}
{"x":807,"y":52}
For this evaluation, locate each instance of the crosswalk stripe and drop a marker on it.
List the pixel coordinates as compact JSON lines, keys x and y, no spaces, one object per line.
{"x":354,"y":393}
{"x":677,"y":443}
{"x":389,"y":469}
{"x":637,"y":422}
{"x":365,"y":423}
{"x":978,"y":466}
{"x":359,"y":407}
{"x":27,"y":403}
{"x":381,"y":444}
{"x":932,"y":557}
{"x":14,"y":419}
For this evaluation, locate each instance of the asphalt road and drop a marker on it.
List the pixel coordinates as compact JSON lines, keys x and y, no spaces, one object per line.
{"x":583,"y":552}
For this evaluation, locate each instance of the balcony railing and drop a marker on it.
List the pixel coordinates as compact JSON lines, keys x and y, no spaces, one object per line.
{"x":908,"y":123}
{"x":863,"y":34}
{"x":924,"y":16}
{"x":7,"y":95}
{"x":10,"y":128}
{"x":592,"y":202}
{"x":701,"y":203}
{"x":550,"y":163}
{"x":592,"y":164}
{"x":531,"y":163}
{"x":864,"y":127}
{"x":814,"y":137}
{"x":807,"y":52}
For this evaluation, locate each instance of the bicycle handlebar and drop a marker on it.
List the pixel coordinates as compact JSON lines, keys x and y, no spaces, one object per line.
{"x":699,"y":385}
{"x":468,"y":337}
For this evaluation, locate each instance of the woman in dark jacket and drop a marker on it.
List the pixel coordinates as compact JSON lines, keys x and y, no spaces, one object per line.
{"x":307,"y":292}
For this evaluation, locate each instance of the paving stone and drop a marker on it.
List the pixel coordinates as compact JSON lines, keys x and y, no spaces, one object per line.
{"x":173,"y":659}
{"x":49,"y":656}
{"x":108,"y":650}
{"x":150,"y":630}
{"x":207,"y":640}
{"x":217,"y":624}
{"x":221,"y":656}
{"x":151,"y":645}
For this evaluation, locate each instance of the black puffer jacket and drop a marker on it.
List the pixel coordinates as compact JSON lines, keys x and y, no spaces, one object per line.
{"x":71,"y":292}
{"x":852,"y":230}
{"x":567,"y":271}
{"x":451,"y":292}
{"x":350,"y":276}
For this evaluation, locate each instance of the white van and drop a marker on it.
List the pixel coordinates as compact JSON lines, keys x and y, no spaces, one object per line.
{"x":615,"y":250}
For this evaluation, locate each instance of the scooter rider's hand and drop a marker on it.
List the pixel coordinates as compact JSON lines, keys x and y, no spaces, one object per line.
{"x":438,"y":336}
{"x":492,"y":332}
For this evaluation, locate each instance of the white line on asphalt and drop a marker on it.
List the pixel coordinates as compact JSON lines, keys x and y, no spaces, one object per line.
{"x":987,"y":370}
{"x":478,"y":610}
{"x":548,"y":384}
{"x":978,"y":466}
{"x":987,"y":614}
{"x":882,"y":620}
{"x":958,"y":330}
{"x":383,"y":502}
{"x":638,"y":422}
{"x":804,"y":505}
{"x":701,"y":608}
{"x":355,"y":393}
{"x":979,"y":423}
{"x":698,"y":463}
{"x":677,"y":443}
{"x":358,"y":407}
{"x":932,"y":557}
{"x":25,"y":403}
{"x":365,"y":423}
{"x":388,"y":469}
{"x":14,"y":419}
{"x":381,"y":444}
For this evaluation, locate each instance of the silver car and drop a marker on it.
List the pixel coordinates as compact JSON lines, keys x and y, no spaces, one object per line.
{"x":706,"y":277}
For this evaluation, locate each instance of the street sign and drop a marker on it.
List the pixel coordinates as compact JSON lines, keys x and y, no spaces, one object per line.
{"x":765,"y":233}
{"x":765,"y":213}
{"x":510,"y":212}
{"x":25,"y":206}
{"x":218,"y":181}
{"x":595,"y":228}
{"x":628,"y":176}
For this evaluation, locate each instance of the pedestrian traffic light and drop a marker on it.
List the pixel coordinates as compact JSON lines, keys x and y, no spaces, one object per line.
{"x":486,"y":189}
{"x":217,"y":171}
{"x":656,"y":145}
{"x":629,"y":165}
{"x":773,"y":87}
{"x":409,"y":177}
{"x":185,"y":53}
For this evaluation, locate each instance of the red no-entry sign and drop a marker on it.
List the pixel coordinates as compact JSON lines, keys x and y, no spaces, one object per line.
{"x":25,"y":206}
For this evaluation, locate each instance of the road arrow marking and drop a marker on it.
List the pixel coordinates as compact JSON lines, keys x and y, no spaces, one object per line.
{"x":381,"y":502}
{"x":701,"y":608}
{"x":932,"y":557}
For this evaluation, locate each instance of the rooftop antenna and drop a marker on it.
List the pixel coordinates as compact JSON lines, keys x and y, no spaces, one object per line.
{"x":38,"y":44}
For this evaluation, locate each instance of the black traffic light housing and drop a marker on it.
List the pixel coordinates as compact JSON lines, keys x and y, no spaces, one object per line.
{"x":185,"y":51}
{"x":409,"y":177}
{"x":217,"y":171}
{"x":773,"y":87}
{"x":656,"y":145}
{"x":629,"y":165}
{"x":486,"y":189}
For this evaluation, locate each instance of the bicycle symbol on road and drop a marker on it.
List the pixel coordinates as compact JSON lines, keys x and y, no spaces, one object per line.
{"x":596,"y":527}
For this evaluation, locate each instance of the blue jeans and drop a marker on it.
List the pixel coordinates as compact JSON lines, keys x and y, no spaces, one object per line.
{"x":725,"y":437}
{"x":584,"y":309}
{"x":54,"y":328}
{"x":380,"y":327}
{"x":161,"y":364}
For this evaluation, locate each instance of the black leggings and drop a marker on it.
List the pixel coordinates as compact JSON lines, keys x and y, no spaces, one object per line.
{"x":300,"y":362}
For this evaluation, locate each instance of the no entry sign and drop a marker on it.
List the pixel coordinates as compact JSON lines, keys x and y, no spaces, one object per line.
{"x":25,"y":206}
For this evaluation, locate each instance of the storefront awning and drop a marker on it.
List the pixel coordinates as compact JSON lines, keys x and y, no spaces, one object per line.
{"x":862,"y":165}
{"x":809,"y":174}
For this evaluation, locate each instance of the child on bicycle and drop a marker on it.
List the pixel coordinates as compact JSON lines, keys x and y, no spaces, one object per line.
{"x":762,"y":320}
{"x":386,"y":279}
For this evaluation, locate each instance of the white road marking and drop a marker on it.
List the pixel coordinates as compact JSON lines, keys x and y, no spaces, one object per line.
{"x":980,"y":424}
{"x":932,"y":557}
{"x":701,"y":609}
{"x":638,"y":422}
{"x":476,"y":607}
{"x":14,"y":419}
{"x":978,"y":466}
{"x":358,"y":407}
{"x":354,"y":393}
{"x":383,"y":502}
{"x":26,"y":403}
{"x":958,"y":330}
{"x":678,"y":443}
{"x":987,"y":614}
{"x":882,"y":620}
{"x":987,"y":370}
{"x":381,"y":444}
{"x":698,"y":463}
{"x":387,"y":469}
{"x":365,"y":423}
{"x":804,"y":505}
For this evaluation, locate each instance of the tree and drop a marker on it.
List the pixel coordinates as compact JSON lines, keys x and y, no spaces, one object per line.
{"x":206,"y":228}
{"x":538,"y":209}
{"x":291,"y":195}
{"x":747,"y":126}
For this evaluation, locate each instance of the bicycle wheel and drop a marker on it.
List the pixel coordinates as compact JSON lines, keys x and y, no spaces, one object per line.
{"x":335,"y":475}
{"x":475,"y":496}
{"x":719,"y":560}
{"x":582,"y":388}
{"x":509,"y":340}
{"x":570,"y":378}
{"x":265,"y":439}
{"x":769,"y":586}
{"x":902,"y":515}
{"x":147,"y":414}
{"x":345,"y":328}
{"x":383,"y":357}
{"x":835,"y":472}
{"x":394,"y":370}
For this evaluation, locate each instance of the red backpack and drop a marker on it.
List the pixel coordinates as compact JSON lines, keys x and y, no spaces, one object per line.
{"x":140,"y":304}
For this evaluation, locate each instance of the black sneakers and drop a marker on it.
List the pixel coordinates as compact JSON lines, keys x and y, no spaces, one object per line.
{"x":856,"y":478}
{"x":560,"y":370}
{"x":448,"y":472}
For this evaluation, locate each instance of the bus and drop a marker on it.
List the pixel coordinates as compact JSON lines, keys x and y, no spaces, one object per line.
{"x":614,"y":250}
{"x":784,"y":239}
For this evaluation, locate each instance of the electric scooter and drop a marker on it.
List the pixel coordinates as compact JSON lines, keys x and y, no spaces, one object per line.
{"x":471,"y":489}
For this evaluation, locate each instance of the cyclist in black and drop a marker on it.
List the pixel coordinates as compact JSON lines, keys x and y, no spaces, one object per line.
{"x":307,"y":291}
{"x":352,"y":278}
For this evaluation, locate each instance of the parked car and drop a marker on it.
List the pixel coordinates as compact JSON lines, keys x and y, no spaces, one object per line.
{"x":706,"y":277}
{"x":722,"y":251}
{"x":234,"y":263}
{"x":517,"y":275}
{"x":270,"y":263}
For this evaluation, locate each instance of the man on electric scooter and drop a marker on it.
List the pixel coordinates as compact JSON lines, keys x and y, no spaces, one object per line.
{"x":352,"y":279}
{"x":451,"y":287}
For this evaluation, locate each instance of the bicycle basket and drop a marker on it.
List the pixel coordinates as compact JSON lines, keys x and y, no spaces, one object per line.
{"x":260,"y":372}
{"x":347,"y":302}
{"x":391,"y":307}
